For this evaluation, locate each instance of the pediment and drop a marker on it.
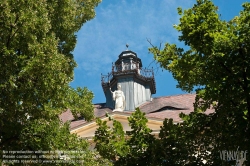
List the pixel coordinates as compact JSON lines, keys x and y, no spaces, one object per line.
{"x":87,"y":130}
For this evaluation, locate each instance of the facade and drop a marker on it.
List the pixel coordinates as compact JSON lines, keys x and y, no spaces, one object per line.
{"x":138,"y":85}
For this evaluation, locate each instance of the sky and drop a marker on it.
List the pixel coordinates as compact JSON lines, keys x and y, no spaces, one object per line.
{"x":132,"y":22}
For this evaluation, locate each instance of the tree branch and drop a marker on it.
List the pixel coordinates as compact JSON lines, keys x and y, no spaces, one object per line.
{"x":11,"y":29}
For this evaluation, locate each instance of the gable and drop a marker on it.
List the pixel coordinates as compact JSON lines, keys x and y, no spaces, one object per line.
{"x":87,"y":130}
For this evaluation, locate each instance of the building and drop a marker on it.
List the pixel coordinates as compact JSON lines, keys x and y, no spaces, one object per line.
{"x":138,"y":85}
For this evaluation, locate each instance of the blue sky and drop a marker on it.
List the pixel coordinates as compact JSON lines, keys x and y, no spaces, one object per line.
{"x":117,"y":22}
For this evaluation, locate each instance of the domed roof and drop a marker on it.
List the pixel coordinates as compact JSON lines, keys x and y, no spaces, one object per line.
{"x":128,"y":55}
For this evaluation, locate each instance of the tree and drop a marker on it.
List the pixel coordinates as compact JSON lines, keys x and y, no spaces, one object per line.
{"x":36,"y":43}
{"x":132,"y":149}
{"x":110,"y":141}
{"x":140,"y":140}
{"x":187,"y":143}
{"x":216,"y":66}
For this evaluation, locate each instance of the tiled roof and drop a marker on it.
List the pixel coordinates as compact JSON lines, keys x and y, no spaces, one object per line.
{"x":160,"y":108}
{"x":170,"y":107}
{"x":77,"y":123}
{"x":99,"y":111}
{"x":184,"y":102}
{"x":174,"y":114}
{"x":66,"y":116}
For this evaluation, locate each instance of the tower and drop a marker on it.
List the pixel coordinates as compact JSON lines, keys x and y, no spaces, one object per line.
{"x":138,"y":84}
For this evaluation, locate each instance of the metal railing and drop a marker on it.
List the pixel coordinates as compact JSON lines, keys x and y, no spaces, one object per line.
{"x":106,"y":78}
{"x":148,"y":73}
{"x":128,"y":68}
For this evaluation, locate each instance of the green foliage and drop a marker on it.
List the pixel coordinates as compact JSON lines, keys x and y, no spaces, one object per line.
{"x":36,"y":43}
{"x":216,"y":66}
{"x":139,"y":140}
{"x":139,"y":134}
{"x":131,"y":149}
{"x":171,"y":147}
{"x":110,"y":141}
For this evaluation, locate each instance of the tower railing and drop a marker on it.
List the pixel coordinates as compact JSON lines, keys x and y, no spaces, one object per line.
{"x":106,"y":78}
{"x":128,"y":68}
{"x":147,"y":73}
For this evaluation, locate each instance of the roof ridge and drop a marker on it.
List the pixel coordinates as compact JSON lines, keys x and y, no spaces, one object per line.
{"x":174,"y":95}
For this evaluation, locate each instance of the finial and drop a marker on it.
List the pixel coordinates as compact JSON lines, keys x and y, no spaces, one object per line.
{"x":127,"y":46}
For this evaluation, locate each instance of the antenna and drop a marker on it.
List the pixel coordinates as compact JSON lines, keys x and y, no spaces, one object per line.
{"x":127,"y":46}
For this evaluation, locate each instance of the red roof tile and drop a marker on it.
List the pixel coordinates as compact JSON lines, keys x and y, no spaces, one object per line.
{"x":171,"y":107}
{"x":66,"y":116}
{"x":160,"y":107}
{"x":99,"y":111}
{"x":184,"y":102}
{"x":77,"y":123}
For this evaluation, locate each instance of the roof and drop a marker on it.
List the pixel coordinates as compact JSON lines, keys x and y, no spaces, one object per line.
{"x":170,"y":107}
{"x":126,"y":55}
{"x":99,"y":111}
{"x":159,"y":108}
{"x":127,"y":52}
{"x":66,"y":116}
